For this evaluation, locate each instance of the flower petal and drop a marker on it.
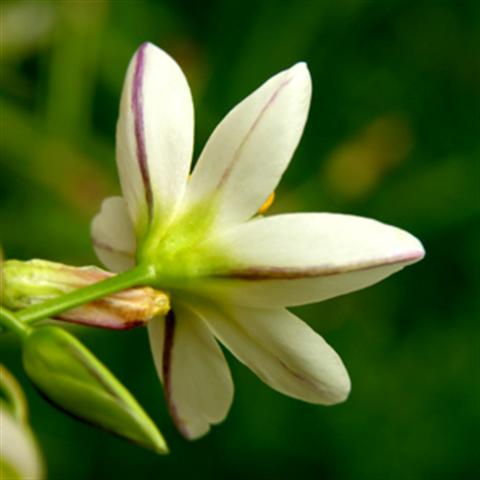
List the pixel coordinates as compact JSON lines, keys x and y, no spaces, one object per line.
{"x":113,"y":237}
{"x":250,"y":149}
{"x":302,"y":258}
{"x":283,"y":351}
{"x":196,"y":378}
{"x":19,"y":452}
{"x":154,"y":136}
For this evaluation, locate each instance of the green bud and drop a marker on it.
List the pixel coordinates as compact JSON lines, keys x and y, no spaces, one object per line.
{"x":35,"y":281}
{"x":70,"y":376}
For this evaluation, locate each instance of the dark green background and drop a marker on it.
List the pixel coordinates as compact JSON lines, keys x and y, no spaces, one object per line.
{"x":393,"y":134}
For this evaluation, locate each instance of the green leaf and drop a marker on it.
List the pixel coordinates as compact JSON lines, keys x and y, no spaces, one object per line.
{"x":70,"y":376}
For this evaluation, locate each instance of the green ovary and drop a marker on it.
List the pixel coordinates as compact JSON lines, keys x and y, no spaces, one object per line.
{"x":183,"y":252}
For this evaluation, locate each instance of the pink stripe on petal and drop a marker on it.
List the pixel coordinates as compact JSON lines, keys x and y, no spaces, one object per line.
{"x":265,"y":108}
{"x":168,"y":345}
{"x":138,"y":113}
{"x":292,"y":273}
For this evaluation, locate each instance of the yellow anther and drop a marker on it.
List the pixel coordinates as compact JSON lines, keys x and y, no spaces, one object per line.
{"x":267,"y":204}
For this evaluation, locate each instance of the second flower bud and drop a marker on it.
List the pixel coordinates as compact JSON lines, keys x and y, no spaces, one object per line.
{"x":28,"y":283}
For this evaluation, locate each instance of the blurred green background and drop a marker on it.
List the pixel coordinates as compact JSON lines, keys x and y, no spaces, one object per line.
{"x":393,"y":134}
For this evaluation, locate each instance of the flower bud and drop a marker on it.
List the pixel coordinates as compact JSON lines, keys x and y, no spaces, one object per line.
{"x":35,"y":281}
{"x":72,"y":378}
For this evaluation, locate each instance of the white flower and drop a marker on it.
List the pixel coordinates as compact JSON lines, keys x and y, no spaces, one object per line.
{"x":19,"y":454}
{"x":231,"y":274}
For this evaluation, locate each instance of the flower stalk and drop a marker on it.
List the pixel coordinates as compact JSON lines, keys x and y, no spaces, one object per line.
{"x":10,"y":321}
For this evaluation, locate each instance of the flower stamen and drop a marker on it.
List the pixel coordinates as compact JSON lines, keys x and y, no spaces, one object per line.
{"x":267,"y":204}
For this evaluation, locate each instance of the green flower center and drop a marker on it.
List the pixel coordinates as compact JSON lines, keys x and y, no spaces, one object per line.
{"x":183,"y":251}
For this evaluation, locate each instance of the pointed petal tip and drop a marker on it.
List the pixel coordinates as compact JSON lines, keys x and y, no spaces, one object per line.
{"x":340,"y":386}
{"x":141,"y":50}
{"x":413,"y":251}
{"x":343,"y":390}
{"x":416,"y":255}
{"x":195,"y":430}
{"x":300,"y":69}
{"x":300,"y":66}
{"x":301,"y":80}
{"x":193,"y":435}
{"x":419,"y":253}
{"x":154,"y":51}
{"x":147,"y":45}
{"x":399,"y":247}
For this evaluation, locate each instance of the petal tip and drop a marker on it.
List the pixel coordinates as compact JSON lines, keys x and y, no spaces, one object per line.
{"x":340,"y":390}
{"x":417,"y":255}
{"x":191,"y":435}
{"x":300,"y":66}
{"x":344,"y":389}
{"x":142,"y":47}
{"x":300,"y":69}
{"x":415,"y":251}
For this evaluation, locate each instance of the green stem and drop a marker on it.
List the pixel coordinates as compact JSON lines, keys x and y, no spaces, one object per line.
{"x":50,"y":308}
{"x":11,"y":322}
